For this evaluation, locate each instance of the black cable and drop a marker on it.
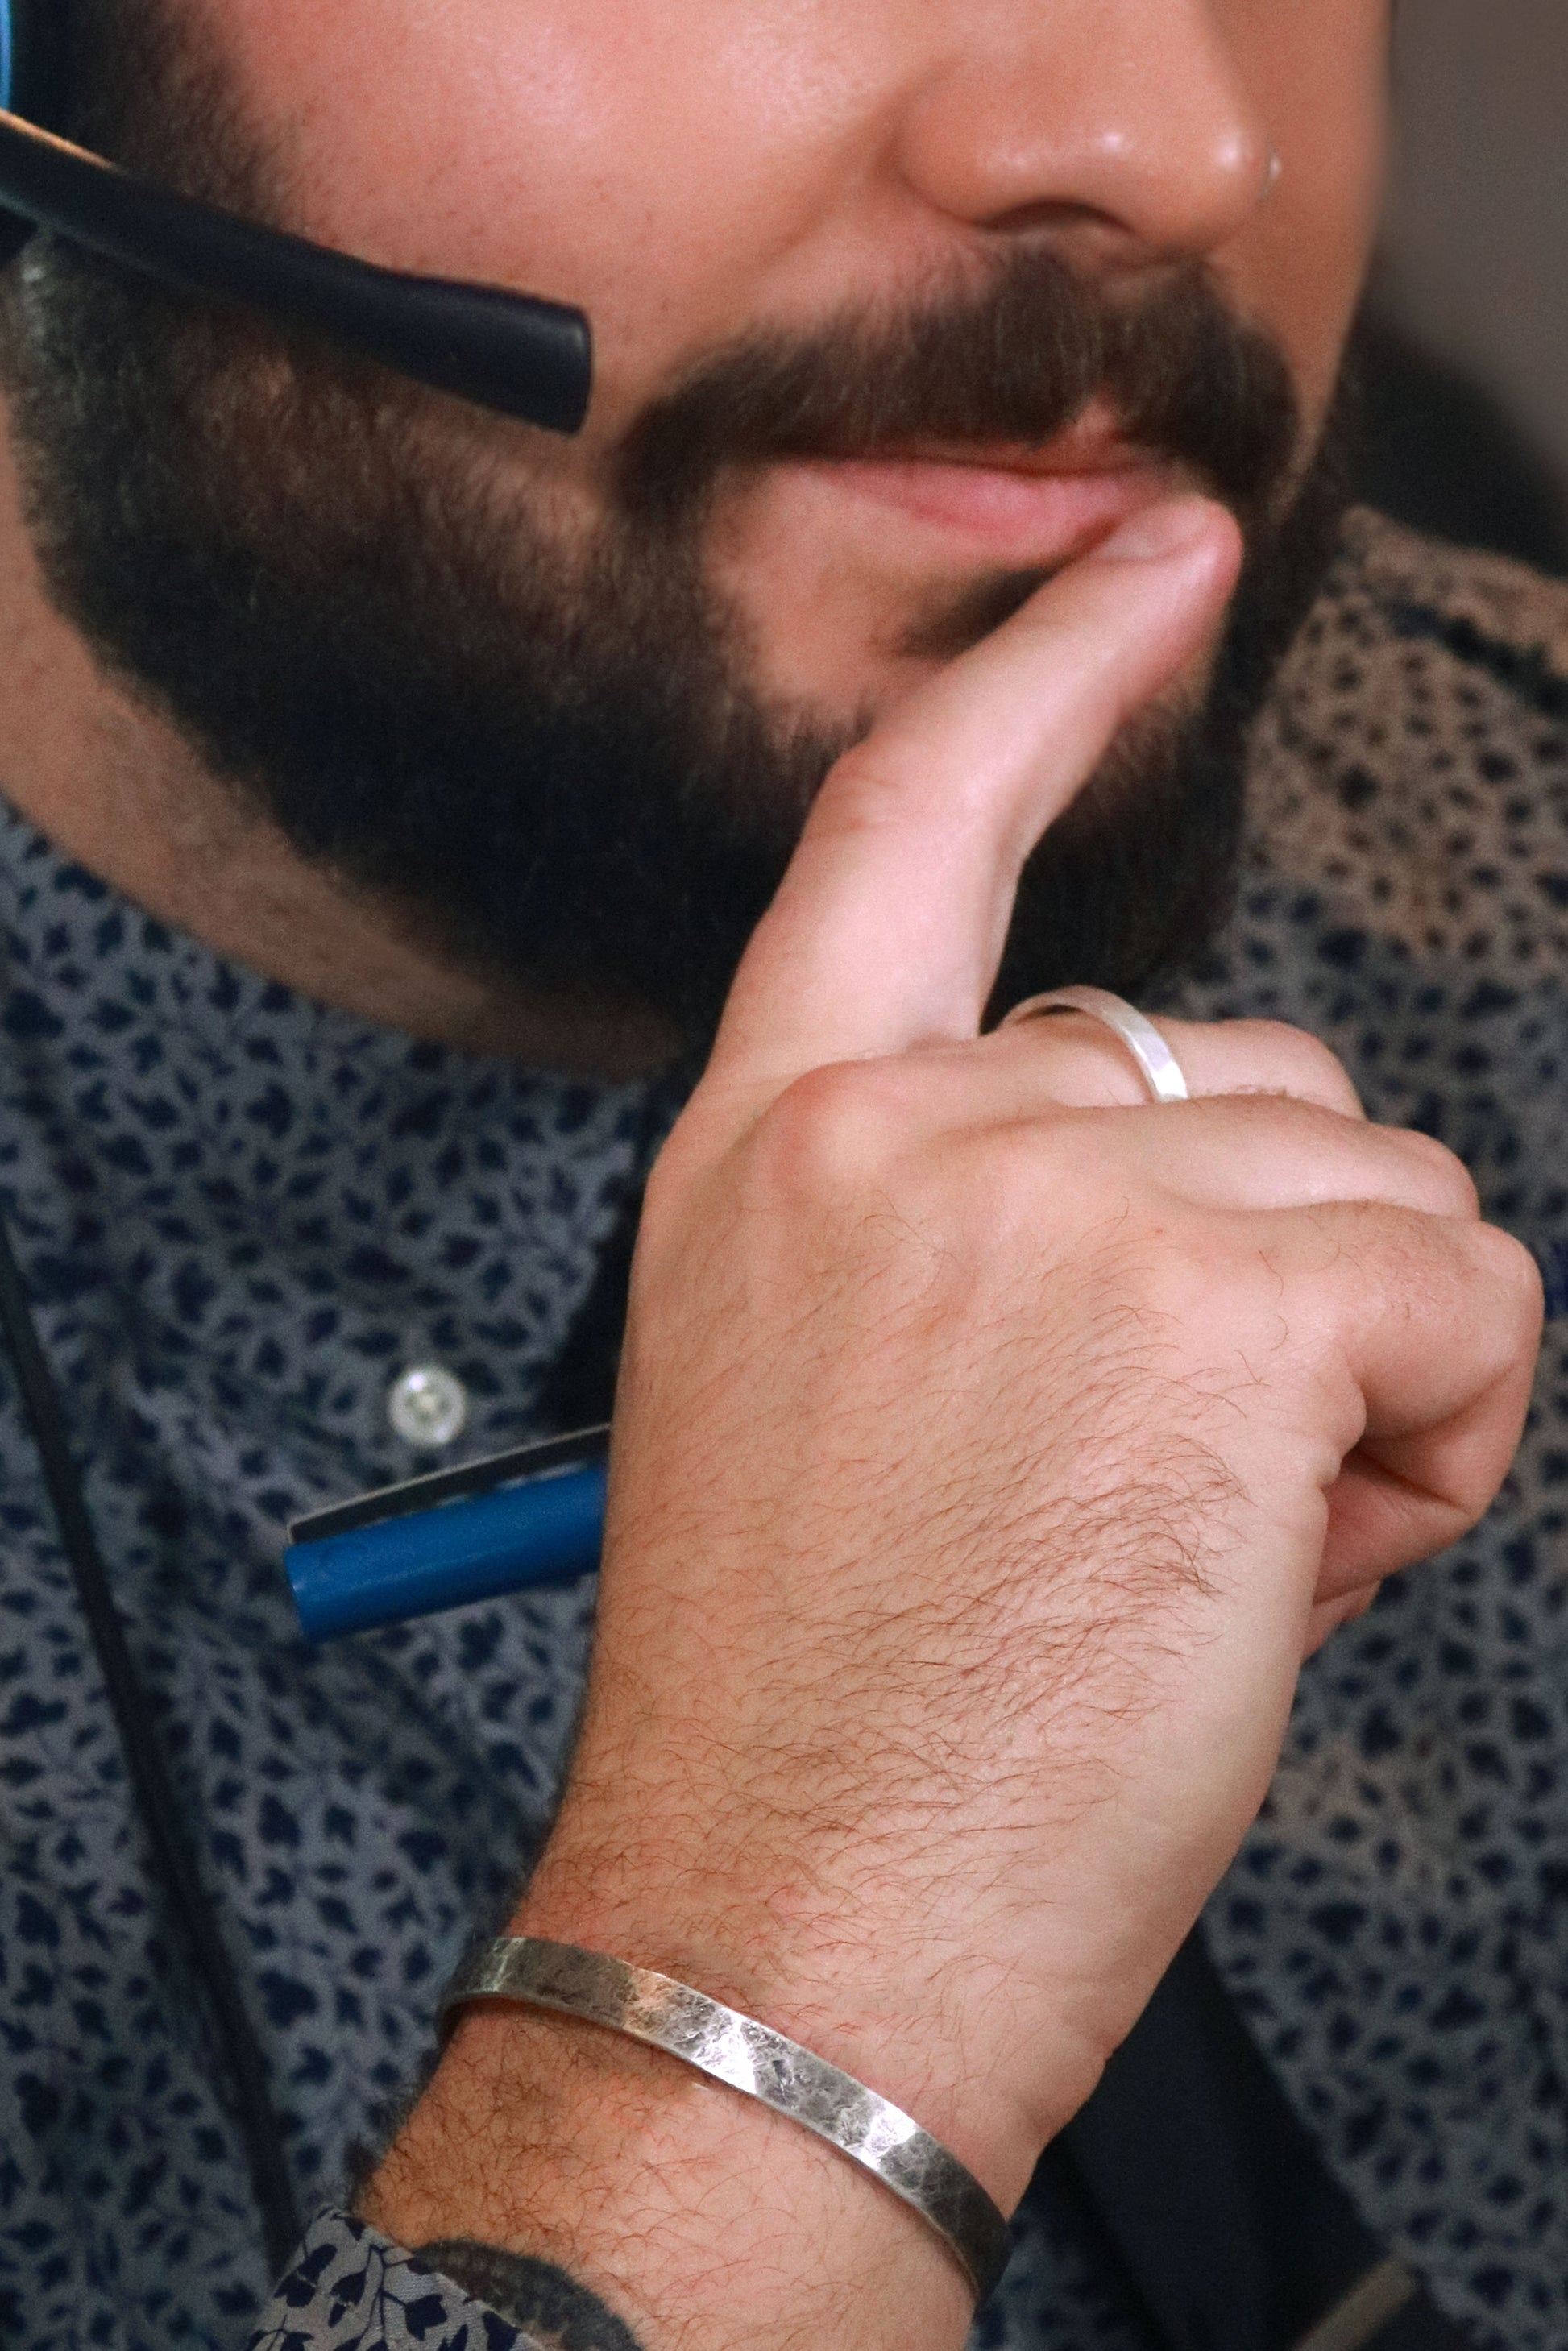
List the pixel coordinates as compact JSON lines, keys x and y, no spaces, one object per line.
{"x":192,"y":1913}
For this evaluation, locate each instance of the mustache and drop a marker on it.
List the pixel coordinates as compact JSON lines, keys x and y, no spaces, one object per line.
{"x":1016,"y":361}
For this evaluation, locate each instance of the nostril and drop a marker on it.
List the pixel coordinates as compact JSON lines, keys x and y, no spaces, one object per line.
{"x":1053,"y":217}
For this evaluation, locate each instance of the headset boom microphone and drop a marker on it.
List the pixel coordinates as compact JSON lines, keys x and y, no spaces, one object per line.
{"x":511,"y":352}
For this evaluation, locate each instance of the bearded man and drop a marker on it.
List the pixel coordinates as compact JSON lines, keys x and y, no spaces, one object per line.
{"x":949,"y":599}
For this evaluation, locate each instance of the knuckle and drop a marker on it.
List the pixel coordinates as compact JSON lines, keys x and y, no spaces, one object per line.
{"x":1510,"y":1278}
{"x":1474,"y":1283}
{"x":835,"y":1133}
{"x":1296,"y":1062}
{"x":1447,"y":1186}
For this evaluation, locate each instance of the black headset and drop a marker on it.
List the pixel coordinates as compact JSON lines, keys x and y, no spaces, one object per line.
{"x":511,"y":352}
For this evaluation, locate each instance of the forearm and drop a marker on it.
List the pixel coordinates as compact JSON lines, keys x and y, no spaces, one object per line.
{"x":698,"y":2215}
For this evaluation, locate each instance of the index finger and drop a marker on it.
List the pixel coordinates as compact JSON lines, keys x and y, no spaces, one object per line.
{"x":888,"y":927}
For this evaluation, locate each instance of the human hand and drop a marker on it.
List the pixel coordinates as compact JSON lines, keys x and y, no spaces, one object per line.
{"x":988,"y":1436}
{"x":991,"y":1443}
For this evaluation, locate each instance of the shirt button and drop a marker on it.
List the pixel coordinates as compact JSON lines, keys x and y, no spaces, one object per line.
{"x":427,"y":1405}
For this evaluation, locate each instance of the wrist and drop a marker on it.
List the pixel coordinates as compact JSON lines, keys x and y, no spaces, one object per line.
{"x":695,"y":2213}
{"x":970,"y":2062}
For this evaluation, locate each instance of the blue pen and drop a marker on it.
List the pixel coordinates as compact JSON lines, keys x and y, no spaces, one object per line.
{"x":534,"y":1515}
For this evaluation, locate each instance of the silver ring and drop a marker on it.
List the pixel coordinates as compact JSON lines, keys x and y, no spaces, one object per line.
{"x":1162,"y":1072}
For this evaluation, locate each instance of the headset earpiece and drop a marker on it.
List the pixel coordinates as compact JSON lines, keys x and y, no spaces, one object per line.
{"x":512,"y":352}
{"x":36,"y":39}
{"x":34,"y":56}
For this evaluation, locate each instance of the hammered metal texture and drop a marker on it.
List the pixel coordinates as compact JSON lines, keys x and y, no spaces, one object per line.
{"x":735,"y":2049}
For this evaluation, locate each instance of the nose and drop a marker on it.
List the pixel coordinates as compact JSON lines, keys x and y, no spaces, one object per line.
{"x":1122,"y":129}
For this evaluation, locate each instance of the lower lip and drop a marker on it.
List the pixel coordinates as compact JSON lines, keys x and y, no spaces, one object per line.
{"x":1005,"y":515}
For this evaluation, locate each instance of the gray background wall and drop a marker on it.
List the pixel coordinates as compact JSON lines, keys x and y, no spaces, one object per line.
{"x":1474,"y":261}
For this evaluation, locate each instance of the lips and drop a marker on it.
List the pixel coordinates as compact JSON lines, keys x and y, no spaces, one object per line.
{"x":1007,"y":505}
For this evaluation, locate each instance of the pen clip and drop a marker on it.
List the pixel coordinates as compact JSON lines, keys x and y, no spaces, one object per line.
{"x":437,"y":1486}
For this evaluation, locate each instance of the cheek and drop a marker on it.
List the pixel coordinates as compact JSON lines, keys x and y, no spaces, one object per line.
{"x":1321,"y":75}
{"x":659,"y":165}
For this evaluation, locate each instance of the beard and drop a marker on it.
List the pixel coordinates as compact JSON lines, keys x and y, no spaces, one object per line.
{"x":543,"y":749}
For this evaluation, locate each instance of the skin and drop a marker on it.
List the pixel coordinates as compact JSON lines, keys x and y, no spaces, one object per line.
{"x":991,"y":1444}
{"x":861,"y":153}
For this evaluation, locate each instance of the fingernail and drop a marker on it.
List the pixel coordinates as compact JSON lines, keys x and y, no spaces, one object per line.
{"x":1156,"y":532}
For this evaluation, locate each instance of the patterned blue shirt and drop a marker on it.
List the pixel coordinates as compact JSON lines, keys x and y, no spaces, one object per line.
{"x":242,"y":1216}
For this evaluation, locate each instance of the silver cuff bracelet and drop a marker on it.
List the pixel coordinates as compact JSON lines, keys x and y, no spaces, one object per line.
{"x":735,"y":2049}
